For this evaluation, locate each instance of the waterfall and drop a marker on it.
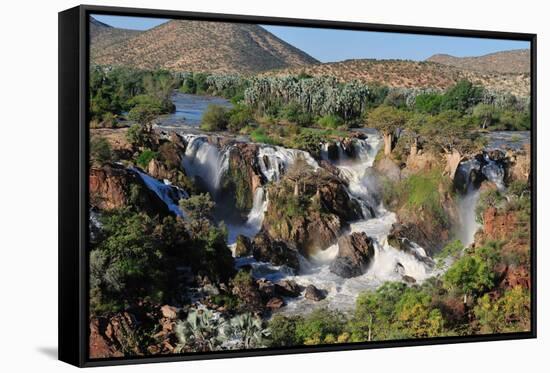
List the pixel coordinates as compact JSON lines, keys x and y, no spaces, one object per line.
{"x":274,"y":161}
{"x":259,"y":206}
{"x":168,"y":193}
{"x":205,"y":161}
{"x":472,"y":172}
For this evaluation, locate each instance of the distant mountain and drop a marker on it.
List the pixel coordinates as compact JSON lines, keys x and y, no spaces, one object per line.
{"x":513,"y":61}
{"x":412,"y":74}
{"x":203,"y":46}
{"x":103,"y":36}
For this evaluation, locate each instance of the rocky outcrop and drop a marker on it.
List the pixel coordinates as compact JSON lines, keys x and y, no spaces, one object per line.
{"x":113,"y":336}
{"x":288,"y":288}
{"x":114,"y":186}
{"x":308,"y":209}
{"x":243,"y":246}
{"x":266,"y":249}
{"x":387,"y":167}
{"x":497,"y":226}
{"x":355,"y":253}
{"x":520,"y":165}
{"x":429,"y":236}
{"x":314,"y":294}
{"x":243,"y":176}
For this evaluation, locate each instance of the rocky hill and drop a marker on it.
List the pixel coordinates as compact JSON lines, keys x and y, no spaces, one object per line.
{"x":513,"y":61}
{"x":103,"y":36}
{"x":412,"y":74}
{"x":204,"y":46}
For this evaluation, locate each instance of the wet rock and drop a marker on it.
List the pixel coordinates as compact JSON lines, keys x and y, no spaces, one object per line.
{"x":355,"y":253}
{"x":266,"y":288}
{"x":314,"y":294}
{"x":243,"y":246}
{"x":276,"y":252}
{"x":249,"y":295}
{"x":275,"y":303}
{"x":288,"y":288}
{"x":408,"y":279}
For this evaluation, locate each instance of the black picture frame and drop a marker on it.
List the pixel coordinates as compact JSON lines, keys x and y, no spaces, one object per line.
{"x":73,"y":181}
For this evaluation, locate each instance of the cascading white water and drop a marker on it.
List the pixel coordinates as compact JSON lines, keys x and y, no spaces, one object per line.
{"x":254,"y":219}
{"x":274,"y":161}
{"x":205,"y":160}
{"x":168,"y":193}
{"x":467,"y":202}
{"x":388,"y":263}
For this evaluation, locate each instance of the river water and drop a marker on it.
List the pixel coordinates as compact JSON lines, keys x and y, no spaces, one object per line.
{"x":190,"y":109}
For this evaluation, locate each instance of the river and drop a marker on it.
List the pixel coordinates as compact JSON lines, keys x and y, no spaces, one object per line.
{"x":190,"y":109}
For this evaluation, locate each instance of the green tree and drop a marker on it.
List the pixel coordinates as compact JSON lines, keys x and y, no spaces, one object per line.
{"x":100,"y":150}
{"x":470,"y":275}
{"x":215,"y":118}
{"x":429,"y":103}
{"x":510,"y":312}
{"x":387,"y":120}
{"x":461,"y":96}
{"x":484,"y":113}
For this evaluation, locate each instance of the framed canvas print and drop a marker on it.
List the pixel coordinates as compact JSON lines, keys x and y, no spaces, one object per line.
{"x":234,"y":186}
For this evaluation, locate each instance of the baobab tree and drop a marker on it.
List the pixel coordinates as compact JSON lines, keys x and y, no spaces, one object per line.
{"x":388,"y":120}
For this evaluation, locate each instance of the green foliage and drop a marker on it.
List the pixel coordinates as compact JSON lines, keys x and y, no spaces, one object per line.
{"x":259,"y":135}
{"x":395,"y":311}
{"x":484,"y":113}
{"x":100,"y":150}
{"x":461,"y":96}
{"x":320,"y":326}
{"x":283,"y":330}
{"x":145,"y":157}
{"x":330,"y":121}
{"x":200,"y":332}
{"x":127,"y":264}
{"x":429,"y":103}
{"x":452,"y":250}
{"x":510,"y":312}
{"x":387,"y":119}
{"x":470,"y":275}
{"x":240,"y":116}
{"x":136,"y":135}
{"x":215,"y":118}
{"x":248,"y":331}
{"x":117,"y":90}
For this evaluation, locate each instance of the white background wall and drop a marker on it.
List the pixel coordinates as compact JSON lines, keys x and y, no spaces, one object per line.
{"x":28,"y":187}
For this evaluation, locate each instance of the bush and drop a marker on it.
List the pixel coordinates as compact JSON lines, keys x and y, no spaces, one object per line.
{"x":429,"y":103}
{"x":283,"y":330}
{"x":215,"y":118}
{"x":240,"y":116}
{"x":136,"y":135}
{"x":330,"y":121}
{"x":100,"y":150}
{"x":470,"y":275}
{"x":461,"y":96}
{"x":260,"y":135}
{"x":145,"y":157}
{"x":320,"y":326}
{"x":509,"y":313}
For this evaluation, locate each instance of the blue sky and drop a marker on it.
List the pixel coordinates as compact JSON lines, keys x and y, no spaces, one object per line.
{"x":337,"y":45}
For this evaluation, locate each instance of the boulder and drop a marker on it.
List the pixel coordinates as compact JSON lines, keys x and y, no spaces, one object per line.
{"x":355,"y":253}
{"x":266,"y":288}
{"x":264,"y":248}
{"x":249,"y":295}
{"x":288,"y":288}
{"x":243,"y":246}
{"x":113,"y":186}
{"x":389,"y":169}
{"x":314,"y":294}
{"x":275,"y":303}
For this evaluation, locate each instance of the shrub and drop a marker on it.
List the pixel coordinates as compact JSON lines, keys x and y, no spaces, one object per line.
{"x":145,"y":157}
{"x":240,"y":116}
{"x":215,"y":118}
{"x":320,"y":326}
{"x":429,"y":103}
{"x":509,"y":313}
{"x":260,"y":135}
{"x":330,"y":121}
{"x":283,"y":330}
{"x":136,"y":135}
{"x":470,"y":275}
{"x":100,"y":150}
